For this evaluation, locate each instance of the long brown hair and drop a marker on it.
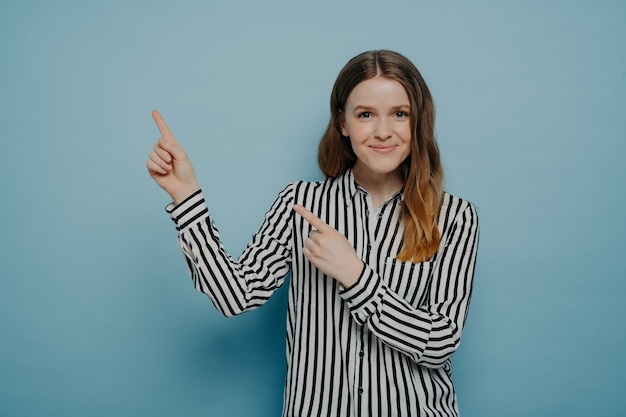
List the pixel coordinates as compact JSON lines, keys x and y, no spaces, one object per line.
{"x":422,"y":170}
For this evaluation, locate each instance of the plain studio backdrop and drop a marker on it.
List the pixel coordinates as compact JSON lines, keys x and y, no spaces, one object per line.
{"x":98,"y":315}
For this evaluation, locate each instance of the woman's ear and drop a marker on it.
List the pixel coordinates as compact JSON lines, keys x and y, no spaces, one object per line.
{"x":342,"y":125}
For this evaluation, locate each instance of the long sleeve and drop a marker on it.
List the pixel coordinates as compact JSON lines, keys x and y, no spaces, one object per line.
{"x":235,"y":286}
{"x":427,"y":329}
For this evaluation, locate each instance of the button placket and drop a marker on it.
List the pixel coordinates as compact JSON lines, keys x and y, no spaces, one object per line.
{"x":361,"y":366}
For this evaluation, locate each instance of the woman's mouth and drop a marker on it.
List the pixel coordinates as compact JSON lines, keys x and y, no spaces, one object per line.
{"x":383,"y":149}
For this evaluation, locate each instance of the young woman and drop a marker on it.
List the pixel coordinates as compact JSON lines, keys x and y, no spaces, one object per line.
{"x":382,"y":259}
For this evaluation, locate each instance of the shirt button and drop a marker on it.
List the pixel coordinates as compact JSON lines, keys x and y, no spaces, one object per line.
{"x":360,"y":391}
{"x":361,"y":354}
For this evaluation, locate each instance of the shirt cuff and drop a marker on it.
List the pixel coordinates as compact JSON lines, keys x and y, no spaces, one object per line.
{"x":365,"y":295}
{"x":188,"y":211}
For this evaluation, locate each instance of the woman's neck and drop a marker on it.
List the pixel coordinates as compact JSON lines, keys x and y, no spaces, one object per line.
{"x":381,"y":187}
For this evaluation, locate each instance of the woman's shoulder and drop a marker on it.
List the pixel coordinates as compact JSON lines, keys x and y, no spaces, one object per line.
{"x":453,"y":205}
{"x":316,"y":192}
{"x":302,"y":188}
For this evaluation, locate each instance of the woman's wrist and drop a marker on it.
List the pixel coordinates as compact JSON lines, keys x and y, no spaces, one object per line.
{"x":184,"y":194}
{"x":353,"y":274}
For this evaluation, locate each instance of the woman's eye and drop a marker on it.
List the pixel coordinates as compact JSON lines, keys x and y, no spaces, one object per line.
{"x":401,"y":114}
{"x":365,"y":115}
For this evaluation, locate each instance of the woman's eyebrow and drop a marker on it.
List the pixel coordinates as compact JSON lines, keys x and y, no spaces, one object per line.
{"x":362,"y":107}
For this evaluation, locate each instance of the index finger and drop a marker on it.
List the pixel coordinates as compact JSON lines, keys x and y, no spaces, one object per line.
{"x":160,"y":122}
{"x":311,"y":218}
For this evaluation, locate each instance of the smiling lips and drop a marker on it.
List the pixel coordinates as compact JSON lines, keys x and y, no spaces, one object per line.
{"x":383,"y":149}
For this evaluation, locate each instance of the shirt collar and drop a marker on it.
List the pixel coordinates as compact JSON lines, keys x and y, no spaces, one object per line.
{"x":350,"y":188}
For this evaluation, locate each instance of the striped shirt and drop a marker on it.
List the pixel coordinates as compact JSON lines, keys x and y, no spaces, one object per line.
{"x":379,"y":348}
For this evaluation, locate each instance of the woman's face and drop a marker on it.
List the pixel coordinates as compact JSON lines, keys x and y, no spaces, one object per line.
{"x":377,"y":122}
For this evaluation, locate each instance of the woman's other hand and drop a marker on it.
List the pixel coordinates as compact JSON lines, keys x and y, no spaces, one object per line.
{"x":169,"y":165}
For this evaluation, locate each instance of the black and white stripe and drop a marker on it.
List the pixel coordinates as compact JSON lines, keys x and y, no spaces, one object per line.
{"x":381,"y":347}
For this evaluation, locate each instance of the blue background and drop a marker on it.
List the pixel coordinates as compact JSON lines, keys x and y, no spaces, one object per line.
{"x":98,"y":316}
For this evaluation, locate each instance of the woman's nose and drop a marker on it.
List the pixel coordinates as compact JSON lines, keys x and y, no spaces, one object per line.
{"x":383,"y":130}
